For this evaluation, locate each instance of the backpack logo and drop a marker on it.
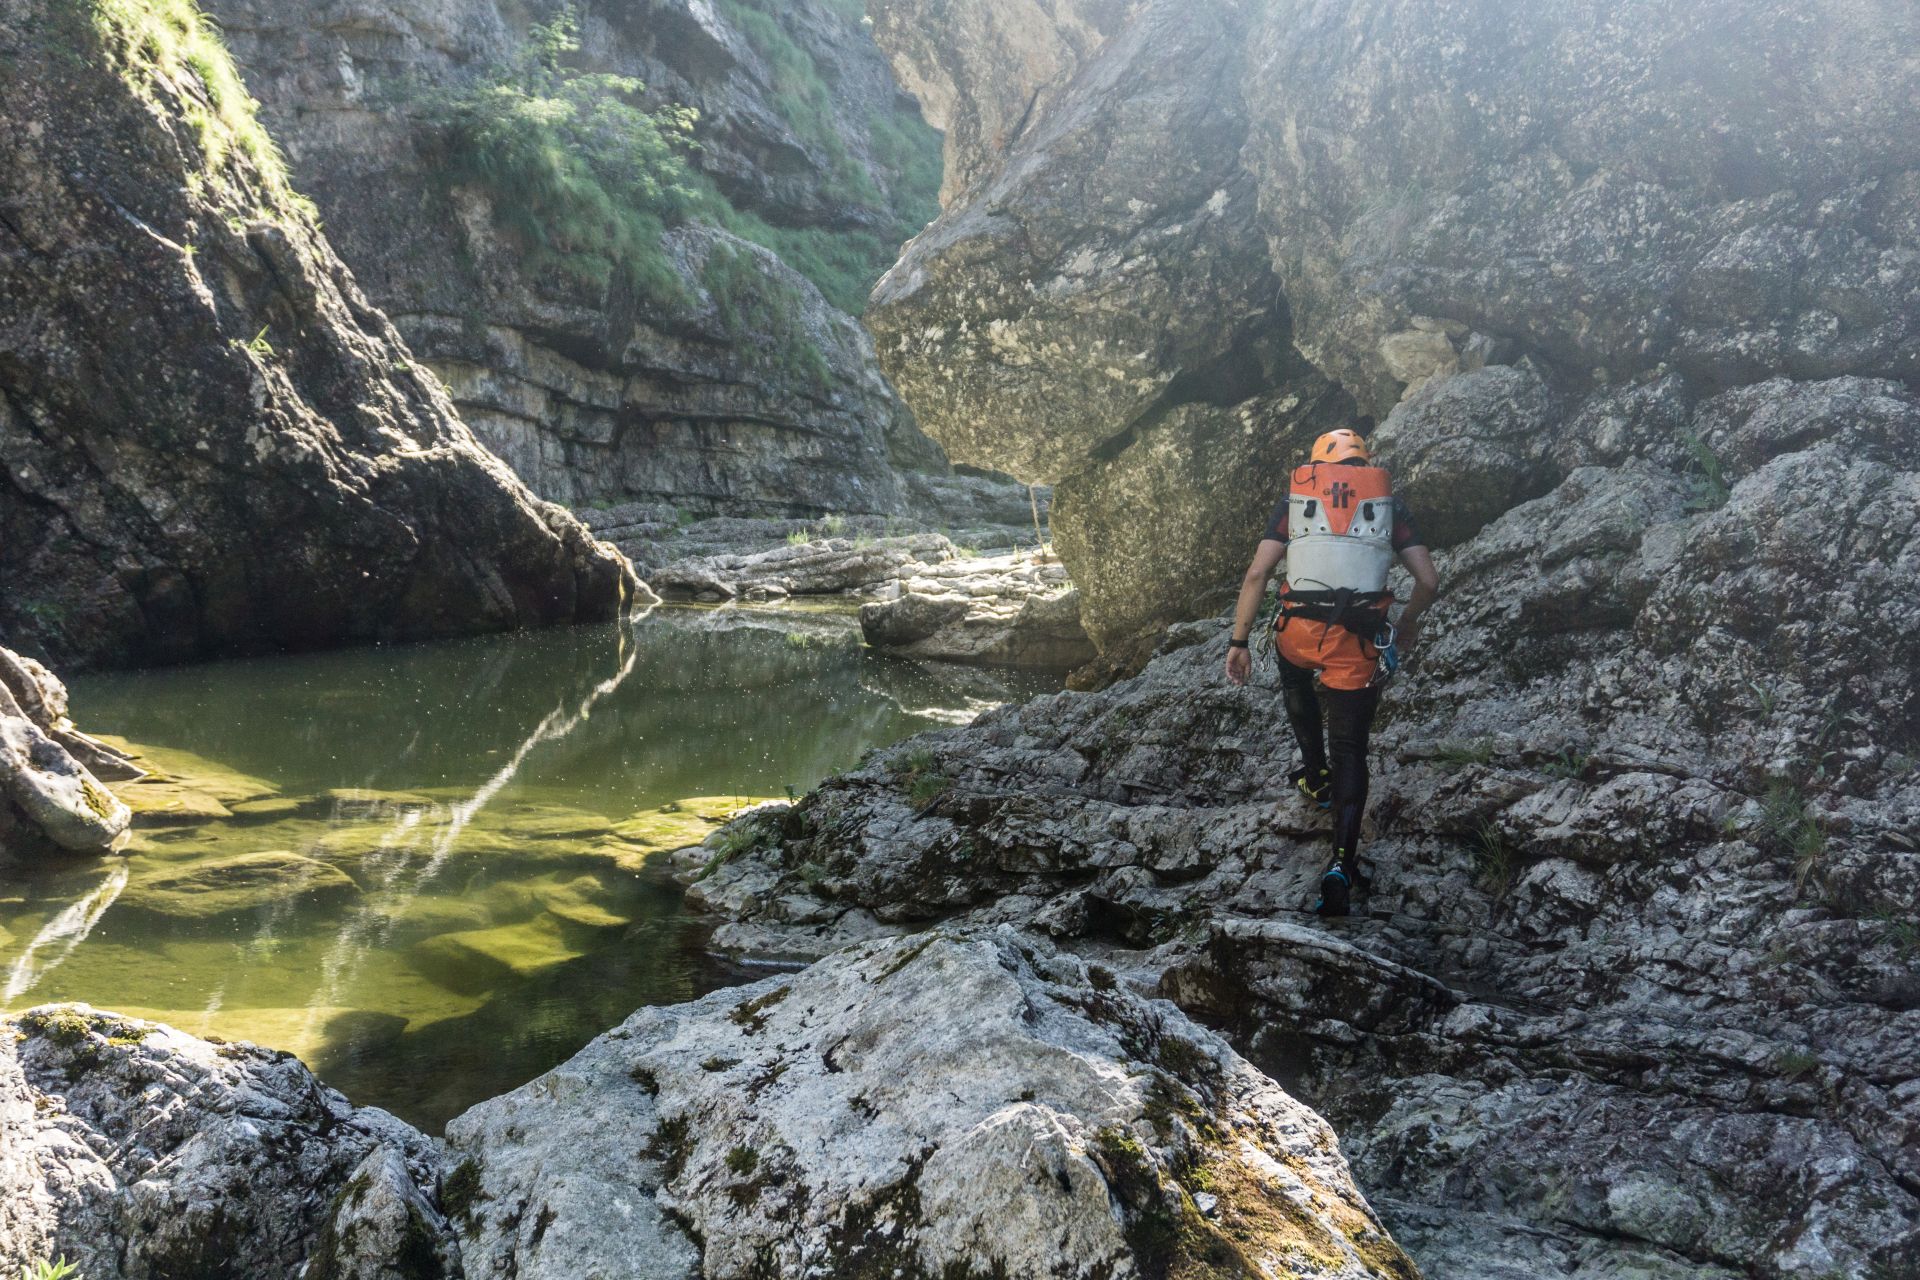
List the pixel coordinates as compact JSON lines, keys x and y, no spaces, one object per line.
{"x":1340,"y":495}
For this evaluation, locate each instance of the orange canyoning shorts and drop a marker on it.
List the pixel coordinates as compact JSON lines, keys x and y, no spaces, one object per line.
{"x":1343,"y":659}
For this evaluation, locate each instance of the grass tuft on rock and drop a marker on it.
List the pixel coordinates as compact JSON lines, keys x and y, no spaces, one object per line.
{"x":169,"y":45}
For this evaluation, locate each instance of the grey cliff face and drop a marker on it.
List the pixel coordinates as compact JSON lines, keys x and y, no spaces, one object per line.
{"x":139,"y":1153}
{"x":592,"y":392}
{"x":214,"y":443}
{"x":1206,"y":199}
{"x":1635,"y":990}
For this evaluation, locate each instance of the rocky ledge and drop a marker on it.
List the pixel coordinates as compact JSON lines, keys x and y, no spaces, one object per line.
{"x":942,"y":1106}
{"x":135,"y":1151}
{"x":945,"y":1106}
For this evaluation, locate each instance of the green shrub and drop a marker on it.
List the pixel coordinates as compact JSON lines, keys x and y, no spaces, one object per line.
{"x":1495,"y":860}
{"x":588,"y":179}
{"x":757,"y":304}
{"x":41,"y":1269}
{"x":1458,"y":755}
{"x":581,"y":176}
{"x":1788,"y":829}
{"x":1707,"y":483}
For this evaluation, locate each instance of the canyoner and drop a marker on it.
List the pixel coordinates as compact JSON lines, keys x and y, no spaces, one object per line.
{"x":1338,"y":530}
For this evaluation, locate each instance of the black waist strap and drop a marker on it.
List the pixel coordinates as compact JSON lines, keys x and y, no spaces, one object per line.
{"x":1362,"y":612}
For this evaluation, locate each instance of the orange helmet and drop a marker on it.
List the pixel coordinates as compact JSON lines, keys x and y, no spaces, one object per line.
{"x":1340,"y":446}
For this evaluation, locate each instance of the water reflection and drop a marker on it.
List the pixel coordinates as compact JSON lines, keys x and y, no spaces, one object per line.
{"x":426,"y":869}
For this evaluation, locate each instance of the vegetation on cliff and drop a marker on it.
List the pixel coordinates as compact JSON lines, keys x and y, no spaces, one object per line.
{"x":589,"y":176}
{"x":169,"y":43}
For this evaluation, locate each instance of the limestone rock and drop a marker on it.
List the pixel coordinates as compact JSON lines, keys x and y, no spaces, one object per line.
{"x":998,"y":610}
{"x":48,"y":795}
{"x":1164,"y":529}
{"x":1465,"y":450}
{"x":1033,"y":331}
{"x":981,"y":71}
{"x":136,"y":1151}
{"x":186,"y":364}
{"x":1201,"y":198}
{"x":1453,"y":163}
{"x":966,"y":1105}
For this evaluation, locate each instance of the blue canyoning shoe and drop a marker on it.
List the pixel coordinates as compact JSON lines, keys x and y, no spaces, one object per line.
{"x":1336,"y":892}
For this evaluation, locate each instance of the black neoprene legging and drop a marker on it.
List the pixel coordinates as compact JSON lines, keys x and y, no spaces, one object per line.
{"x":1337,"y":741}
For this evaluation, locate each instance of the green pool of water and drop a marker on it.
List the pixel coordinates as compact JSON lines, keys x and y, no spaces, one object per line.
{"x":431,"y":871}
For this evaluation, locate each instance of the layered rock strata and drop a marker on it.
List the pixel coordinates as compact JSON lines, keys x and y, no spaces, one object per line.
{"x":592,"y":390}
{"x":214,"y":443}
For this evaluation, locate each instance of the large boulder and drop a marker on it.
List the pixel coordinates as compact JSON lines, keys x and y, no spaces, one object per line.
{"x":1608,"y":185}
{"x":937,"y":1106}
{"x":214,"y":444}
{"x":1552,"y":209}
{"x":765,"y":403}
{"x":139,"y":1153}
{"x":1014,"y":610}
{"x":1052,"y":308}
{"x":981,"y":71}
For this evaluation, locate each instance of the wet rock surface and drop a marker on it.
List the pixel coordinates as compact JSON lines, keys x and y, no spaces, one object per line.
{"x":970,"y":1105}
{"x":1642,"y":840}
{"x":588,"y":389}
{"x":214,"y":443}
{"x":135,"y":1151}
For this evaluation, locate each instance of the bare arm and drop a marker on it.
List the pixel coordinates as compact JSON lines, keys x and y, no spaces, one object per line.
{"x":1253,"y":589}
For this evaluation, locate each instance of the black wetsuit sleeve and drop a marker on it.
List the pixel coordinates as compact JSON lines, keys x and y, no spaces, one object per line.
{"x":1405,"y":532}
{"x":1277,"y":522}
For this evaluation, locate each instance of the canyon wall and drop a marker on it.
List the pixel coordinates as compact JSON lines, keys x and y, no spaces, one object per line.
{"x":684,"y":361}
{"x":214,"y":443}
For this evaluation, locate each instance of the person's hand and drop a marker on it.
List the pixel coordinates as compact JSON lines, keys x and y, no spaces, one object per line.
{"x":1406,"y":638}
{"x":1239,"y":665}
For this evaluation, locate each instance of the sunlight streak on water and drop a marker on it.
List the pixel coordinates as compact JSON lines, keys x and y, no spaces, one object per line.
{"x":349,"y":951}
{"x":67,"y":931}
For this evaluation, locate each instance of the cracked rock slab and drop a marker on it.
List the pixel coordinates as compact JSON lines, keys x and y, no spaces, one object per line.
{"x":947,"y":1105}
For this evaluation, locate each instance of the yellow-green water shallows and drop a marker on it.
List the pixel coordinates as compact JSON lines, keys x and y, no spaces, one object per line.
{"x":428,"y":870}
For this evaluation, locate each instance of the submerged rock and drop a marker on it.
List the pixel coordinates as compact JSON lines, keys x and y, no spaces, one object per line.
{"x":206,"y":888}
{"x":938,"y":1106}
{"x":187,"y":365}
{"x":135,"y":1151}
